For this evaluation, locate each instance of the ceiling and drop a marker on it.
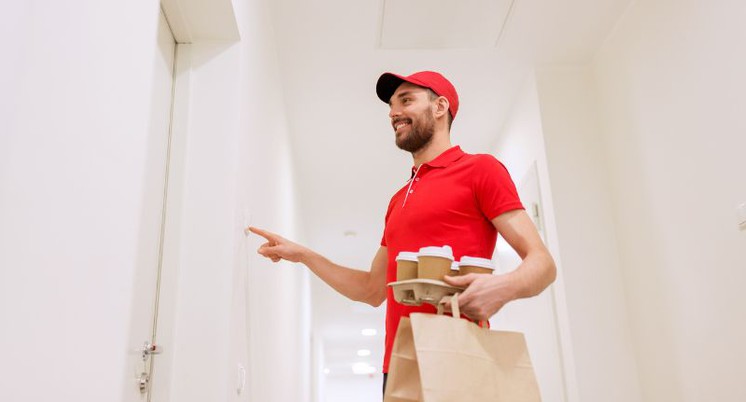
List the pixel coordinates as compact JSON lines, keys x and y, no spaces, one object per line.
{"x":347,"y":167}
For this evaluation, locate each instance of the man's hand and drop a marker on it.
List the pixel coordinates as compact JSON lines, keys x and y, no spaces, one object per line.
{"x":368,"y":287}
{"x":485,"y":294}
{"x":278,"y":248}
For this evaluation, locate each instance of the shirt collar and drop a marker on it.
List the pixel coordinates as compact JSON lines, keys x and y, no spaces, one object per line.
{"x":444,"y":159}
{"x":447,"y":157}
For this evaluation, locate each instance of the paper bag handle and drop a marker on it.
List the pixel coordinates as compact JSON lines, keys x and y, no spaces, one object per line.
{"x":455,"y":311}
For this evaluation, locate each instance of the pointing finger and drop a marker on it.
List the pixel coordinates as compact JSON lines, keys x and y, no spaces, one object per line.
{"x":273,"y":238}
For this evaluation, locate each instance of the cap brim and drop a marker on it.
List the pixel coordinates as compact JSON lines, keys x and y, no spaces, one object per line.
{"x":386,"y":86}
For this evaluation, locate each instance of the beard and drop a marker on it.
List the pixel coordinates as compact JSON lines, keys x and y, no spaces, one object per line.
{"x":421,"y":133}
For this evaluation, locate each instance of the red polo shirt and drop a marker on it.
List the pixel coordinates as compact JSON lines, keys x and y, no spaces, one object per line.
{"x":450,"y":200}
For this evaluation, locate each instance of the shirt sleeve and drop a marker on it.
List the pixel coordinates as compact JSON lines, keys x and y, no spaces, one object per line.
{"x":494,"y":189}
{"x":386,"y":221}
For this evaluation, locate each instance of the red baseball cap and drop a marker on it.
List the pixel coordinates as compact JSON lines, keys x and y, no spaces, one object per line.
{"x":389,"y":82}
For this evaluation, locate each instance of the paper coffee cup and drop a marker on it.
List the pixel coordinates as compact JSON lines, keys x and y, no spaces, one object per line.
{"x":406,"y":266}
{"x":475,"y":265}
{"x":434,"y":262}
{"x":454,"y":269}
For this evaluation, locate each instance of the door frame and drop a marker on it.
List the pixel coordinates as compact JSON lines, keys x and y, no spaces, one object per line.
{"x":190,"y":21}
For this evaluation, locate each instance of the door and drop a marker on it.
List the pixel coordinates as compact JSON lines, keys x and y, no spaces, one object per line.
{"x":535,"y":317}
{"x":144,"y":348}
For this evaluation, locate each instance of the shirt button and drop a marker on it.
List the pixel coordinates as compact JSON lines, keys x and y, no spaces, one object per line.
{"x":411,"y":191}
{"x":417,"y":179}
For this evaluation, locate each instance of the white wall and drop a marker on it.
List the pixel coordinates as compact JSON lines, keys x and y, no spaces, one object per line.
{"x":73,"y":150}
{"x":73,"y":145}
{"x":673,"y":96}
{"x":238,"y":173}
{"x":519,"y":145}
{"x":594,"y":291}
{"x":235,"y":308}
{"x":359,"y":388}
{"x":210,"y":229}
{"x":553,"y":123}
{"x":279,"y":297}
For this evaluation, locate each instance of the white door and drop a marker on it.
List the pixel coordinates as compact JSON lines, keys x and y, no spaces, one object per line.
{"x":143,"y":326}
{"x":535,"y":317}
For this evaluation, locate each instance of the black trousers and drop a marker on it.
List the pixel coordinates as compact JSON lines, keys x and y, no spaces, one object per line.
{"x":385,"y":376}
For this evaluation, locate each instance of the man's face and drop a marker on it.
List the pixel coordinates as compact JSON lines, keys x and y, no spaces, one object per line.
{"x":412,"y":117}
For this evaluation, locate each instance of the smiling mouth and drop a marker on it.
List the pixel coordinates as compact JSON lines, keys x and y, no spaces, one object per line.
{"x":399,"y":124}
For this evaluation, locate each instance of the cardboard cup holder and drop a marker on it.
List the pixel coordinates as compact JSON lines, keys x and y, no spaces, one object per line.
{"x":414,"y":292}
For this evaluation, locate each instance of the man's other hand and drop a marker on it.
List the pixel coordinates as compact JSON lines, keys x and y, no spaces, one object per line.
{"x":485,"y":294}
{"x":277,"y":247}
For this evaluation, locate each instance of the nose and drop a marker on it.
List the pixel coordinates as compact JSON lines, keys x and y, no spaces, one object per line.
{"x":394,"y":111}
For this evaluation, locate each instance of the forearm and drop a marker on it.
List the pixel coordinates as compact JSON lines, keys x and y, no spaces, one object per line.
{"x":355,"y":284}
{"x":368,"y":287}
{"x":536,"y":272}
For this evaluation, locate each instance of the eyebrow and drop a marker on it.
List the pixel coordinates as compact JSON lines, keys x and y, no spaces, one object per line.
{"x":401,"y":95}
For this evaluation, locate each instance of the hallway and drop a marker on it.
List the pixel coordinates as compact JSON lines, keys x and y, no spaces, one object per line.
{"x":130,"y":166}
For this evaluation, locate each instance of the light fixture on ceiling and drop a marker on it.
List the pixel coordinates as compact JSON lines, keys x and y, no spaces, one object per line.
{"x":363,"y":352}
{"x":369,"y":332}
{"x":350,"y":233}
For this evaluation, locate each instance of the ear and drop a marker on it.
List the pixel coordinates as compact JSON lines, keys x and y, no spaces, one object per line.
{"x":441,"y":106}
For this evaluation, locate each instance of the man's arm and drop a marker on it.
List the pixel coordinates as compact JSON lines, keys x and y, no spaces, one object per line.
{"x":486,"y":294}
{"x":367,"y":287}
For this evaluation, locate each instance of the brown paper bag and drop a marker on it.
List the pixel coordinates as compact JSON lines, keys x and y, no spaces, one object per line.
{"x":439,"y":358}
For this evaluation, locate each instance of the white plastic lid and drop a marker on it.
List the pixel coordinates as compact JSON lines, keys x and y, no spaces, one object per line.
{"x":443,"y":252}
{"x":454,"y":266}
{"x":476,"y":262}
{"x":407,"y":256}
